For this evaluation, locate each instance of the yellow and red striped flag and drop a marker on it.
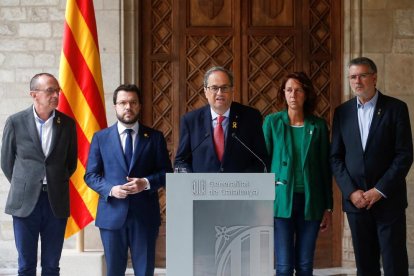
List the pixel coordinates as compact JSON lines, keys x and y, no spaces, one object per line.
{"x":82,"y":98}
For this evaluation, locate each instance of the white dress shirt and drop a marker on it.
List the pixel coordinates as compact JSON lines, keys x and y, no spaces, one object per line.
{"x":123,"y":136}
{"x":45,"y":132}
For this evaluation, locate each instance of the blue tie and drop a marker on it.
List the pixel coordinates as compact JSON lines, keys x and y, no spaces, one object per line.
{"x":128,"y":146}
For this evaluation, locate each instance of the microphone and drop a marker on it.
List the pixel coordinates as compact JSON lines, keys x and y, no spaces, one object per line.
{"x":254,"y":154}
{"x":195,"y":148}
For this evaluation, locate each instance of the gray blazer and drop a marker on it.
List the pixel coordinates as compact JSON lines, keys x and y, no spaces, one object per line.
{"x":25,"y":165}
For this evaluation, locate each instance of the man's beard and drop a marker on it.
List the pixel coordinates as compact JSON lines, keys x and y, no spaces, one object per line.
{"x":130,"y":121}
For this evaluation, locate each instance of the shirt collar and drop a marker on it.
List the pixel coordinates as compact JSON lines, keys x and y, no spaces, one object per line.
{"x":121,"y":127}
{"x":370,"y":103}
{"x":214,"y":115}
{"x":39,"y":119}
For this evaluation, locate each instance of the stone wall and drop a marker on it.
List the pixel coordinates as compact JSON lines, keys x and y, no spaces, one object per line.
{"x":30,"y":42}
{"x":384,"y":31}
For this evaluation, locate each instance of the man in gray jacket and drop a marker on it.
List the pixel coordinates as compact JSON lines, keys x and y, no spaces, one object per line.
{"x":38,"y":156}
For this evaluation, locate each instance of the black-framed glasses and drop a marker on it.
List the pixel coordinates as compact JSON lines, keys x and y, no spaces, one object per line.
{"x":124,"y":104}
{"x":224,"y":89}
{"x":50,"y":90}
{"x":362,"y":76}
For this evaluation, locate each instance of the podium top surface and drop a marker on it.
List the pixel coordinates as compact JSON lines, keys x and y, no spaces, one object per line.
{"x":222,"y":186}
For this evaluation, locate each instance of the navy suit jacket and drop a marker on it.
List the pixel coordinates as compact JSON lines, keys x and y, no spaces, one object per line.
{"x":196,"y":148}
{"x":107,"y":167}
{"x":387,"y":157}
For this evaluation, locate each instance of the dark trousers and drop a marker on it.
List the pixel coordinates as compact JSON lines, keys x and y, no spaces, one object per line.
{"x":376,"y":235}
{"x":140,"y":238}
{"x":41,"y":222}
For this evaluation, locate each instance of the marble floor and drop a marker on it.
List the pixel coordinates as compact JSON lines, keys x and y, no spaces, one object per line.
{"x":161,"y":272}
{"x":337,"y":271}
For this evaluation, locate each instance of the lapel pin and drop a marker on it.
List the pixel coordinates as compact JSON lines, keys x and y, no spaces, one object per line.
{"x":379,"y":112}
{"x":146,"y":135}
{"x":234,"y":125}
{"x":310,"y":132}
{"x":58,"y":120}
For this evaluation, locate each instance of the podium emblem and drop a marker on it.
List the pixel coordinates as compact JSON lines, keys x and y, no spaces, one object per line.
{"x":243,"y":248}
{"x":199,"y":187}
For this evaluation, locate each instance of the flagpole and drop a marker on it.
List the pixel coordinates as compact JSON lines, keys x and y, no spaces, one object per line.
{"x":80,"y":241}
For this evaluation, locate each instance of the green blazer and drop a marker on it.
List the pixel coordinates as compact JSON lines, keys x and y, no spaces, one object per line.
{"x":315,"y":157}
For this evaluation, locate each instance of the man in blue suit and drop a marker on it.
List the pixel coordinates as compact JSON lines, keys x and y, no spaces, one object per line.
{"x":242,"y":148}
{"x":371,"y":155}
{"x":126,"y":166}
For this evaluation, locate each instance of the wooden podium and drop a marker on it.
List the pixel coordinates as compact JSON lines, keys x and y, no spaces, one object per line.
{"x":220,"y":224}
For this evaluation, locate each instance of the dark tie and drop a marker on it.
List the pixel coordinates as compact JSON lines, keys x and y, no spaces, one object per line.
{"x":219,"y":137}
{"x":128,"y":146}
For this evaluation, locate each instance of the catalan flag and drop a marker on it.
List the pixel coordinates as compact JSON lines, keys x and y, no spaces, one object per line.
{"x":81,"y":98}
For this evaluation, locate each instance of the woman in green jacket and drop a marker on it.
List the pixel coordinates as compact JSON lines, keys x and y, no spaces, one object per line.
{"x":298,"y":144}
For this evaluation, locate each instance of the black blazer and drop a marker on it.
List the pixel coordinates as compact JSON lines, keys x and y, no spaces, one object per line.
{"x":196,"y":148}
{"x":387,"y":158}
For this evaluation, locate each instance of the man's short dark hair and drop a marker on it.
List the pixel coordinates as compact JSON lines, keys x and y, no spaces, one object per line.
{"x":34,"y":80}
{"x":364,"y":61}
{"x":129,"y":88}
{"x":215,"y":69}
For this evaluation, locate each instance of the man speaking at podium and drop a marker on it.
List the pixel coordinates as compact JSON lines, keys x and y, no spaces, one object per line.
{"x":223,"y":136}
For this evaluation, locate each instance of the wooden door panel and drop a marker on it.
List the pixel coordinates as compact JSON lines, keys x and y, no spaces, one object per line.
{"x":271,"y":13}
{"x":269,"y":58}
{"x":202,"y":52}
{"x":204,"y":13}
{"x":260,"y":41}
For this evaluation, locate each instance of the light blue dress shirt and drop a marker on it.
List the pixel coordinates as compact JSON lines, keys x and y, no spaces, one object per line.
{"x":365,"y":114}
{"x":224,"y":124}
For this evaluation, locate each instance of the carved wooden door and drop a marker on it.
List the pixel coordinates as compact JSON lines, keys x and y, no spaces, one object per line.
{"x":260,"y":41}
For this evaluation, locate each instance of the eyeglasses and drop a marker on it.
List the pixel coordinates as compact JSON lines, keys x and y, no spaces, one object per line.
{"x":49,"y":90}
{"x":291,"y":90}
{"x":125,"y":103}
{"x":223,"y":89}
{"x":362,"y":76}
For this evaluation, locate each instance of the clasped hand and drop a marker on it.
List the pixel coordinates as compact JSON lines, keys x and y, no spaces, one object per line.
{"x":366,"y":199}
{"x":133,"y":186}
